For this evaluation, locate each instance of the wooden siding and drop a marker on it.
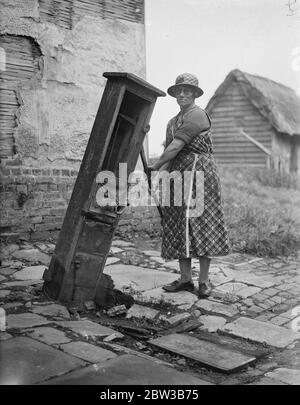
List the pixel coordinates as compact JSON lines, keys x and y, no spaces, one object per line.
{"x":22,"y":63}
{"x":232,"y":112}
{"x":66,"y":13}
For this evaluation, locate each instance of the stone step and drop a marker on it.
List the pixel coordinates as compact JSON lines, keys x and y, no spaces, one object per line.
{"x":209,"y":354}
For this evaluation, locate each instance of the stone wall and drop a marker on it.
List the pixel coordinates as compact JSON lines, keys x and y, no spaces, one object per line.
{"x":53,"y":56}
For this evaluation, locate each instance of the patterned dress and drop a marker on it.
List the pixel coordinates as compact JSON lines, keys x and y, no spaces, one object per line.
{"x":185,"y":235}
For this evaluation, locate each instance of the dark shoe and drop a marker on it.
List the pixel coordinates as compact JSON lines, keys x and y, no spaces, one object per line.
{"x":178,"y":285}
{"x":204,"y":290}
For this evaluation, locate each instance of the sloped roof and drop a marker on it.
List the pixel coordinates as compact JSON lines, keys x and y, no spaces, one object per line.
{"x":278,"y":103}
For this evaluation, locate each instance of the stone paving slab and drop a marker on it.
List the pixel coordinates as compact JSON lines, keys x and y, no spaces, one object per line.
{"x":218,"y":279}
{"x":12,"y":264}
{"x":32,"y":255}
{"x":5,"y":336}
{"x":249,"y":278}
{"x":88,"y":352}
{"x":208,"y":353}
{"x":6,"y":250}
{"x":211,"y":323}
{"x":26,"y":320}
{"x":14,"y":304}
{"x":159,"y":260}
{"x":121,"y":243}
{"x":25,"y":361}
{"x":140,"y":312}
{"x":86,"y":328}
{"x":24,"y":283}
{"x":2,"y":278}
{"x":267,"y":381}
{"x":114,"y":250}
{"x":174,"y":264}
{"x":152,"y":253}
{"x":261,"y":332}
{"x":239,"y":289}
{"x":51,"y":310}
{"x":159,"y":295}
{"x":177,"y":319}
{"x":291,"y":313}
{"x":4,"y":293}
{"x":111,"y":260}
{"x":216,"y":308}
{"x":7,"y":271}
{"x":137,"y":278}
{"x":30,"y":273}
{"x":127,"y":370}
{"x":50,"y":336}
{"x":285,"y":375}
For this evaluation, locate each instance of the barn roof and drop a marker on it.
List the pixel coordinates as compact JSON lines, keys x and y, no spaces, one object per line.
{"x":278,"y":103}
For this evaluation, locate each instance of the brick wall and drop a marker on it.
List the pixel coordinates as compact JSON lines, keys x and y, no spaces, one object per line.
{"x":33,"y":203}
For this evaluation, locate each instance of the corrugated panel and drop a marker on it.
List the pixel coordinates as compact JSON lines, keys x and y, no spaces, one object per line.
{"x":22,"y":63}
{"x":66,"y":13}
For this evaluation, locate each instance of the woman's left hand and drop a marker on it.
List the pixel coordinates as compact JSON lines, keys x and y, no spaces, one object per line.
{"x":150,"y":169}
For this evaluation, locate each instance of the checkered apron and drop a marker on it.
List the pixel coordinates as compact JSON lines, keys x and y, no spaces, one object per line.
{"x":185,"y":235}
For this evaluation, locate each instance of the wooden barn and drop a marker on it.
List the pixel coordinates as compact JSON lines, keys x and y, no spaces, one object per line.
{"x":255,"y":121}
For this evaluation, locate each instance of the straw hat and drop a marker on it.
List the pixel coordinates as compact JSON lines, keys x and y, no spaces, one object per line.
{"x":186,"y":79}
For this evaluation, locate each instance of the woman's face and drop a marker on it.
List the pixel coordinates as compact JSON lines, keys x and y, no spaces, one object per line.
{"x":184,"y":96}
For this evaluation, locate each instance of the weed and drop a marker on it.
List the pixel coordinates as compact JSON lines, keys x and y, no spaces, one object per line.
{"x":261,"y":211}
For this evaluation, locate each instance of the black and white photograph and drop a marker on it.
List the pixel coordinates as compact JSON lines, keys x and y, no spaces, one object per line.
{"x":149,"y":196}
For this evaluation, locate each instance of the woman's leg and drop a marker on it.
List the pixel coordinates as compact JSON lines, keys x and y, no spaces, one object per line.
{"x":204,"y":285}
{"x":204,"y":269}
{"x":185,"y":270}
{"x":185,"y":281}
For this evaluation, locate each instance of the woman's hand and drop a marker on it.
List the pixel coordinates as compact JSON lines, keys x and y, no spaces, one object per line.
{"x":150,"y":169}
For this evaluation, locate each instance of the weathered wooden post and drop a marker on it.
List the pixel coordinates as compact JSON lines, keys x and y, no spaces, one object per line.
{"x":85,"y":238}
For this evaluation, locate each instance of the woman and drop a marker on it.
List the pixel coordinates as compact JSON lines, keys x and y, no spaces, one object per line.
{"x":189,"y":148}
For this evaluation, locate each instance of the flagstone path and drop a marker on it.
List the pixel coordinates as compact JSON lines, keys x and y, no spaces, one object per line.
{"x":253,"y":313}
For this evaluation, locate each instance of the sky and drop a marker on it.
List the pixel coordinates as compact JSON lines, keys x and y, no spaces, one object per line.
{"x":209,"y":38}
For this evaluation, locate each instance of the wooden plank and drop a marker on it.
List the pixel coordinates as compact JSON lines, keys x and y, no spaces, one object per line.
{"x":257,"y":143}
{"x":234,"y":148}
{"x":233,"y":111}
{"x":222,"y":116}
{"x":233,"y":151}
{"x":226,"y":136}
{"x":240,"y":157}
{"x":259,"y":131}
{"x":230,"y":140}
{"x":222,"y":103}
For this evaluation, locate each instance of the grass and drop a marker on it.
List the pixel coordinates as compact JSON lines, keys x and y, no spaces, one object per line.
{"x":261,"y":210}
